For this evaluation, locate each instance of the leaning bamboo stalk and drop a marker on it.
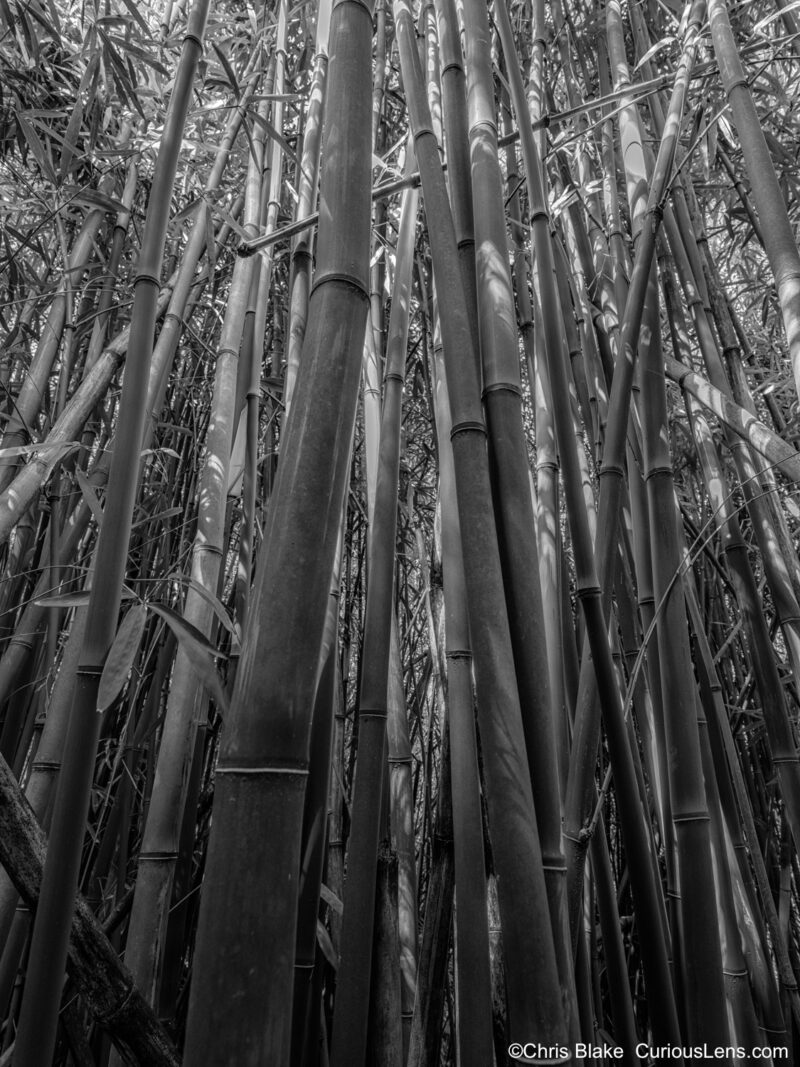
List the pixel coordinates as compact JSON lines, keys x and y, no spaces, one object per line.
{"x":39,"y":1014}
{"x":349,"y":1042}
{"x":27,"y":404}
{"x":643,"y":203}
{"x":260,"y":779}
{"x":743,"y":423}
{"x":473,"y":980}
{"x":105,"y":314}
{"x":703,"y":986}
{"x":511,"y":474}
{"x":757,"y":478}
{"x":435,"y":939}
{"x":300,"y":280}
{"x":19,"y":495}
{"x":104,"y":983}
{"x":172,"y":304}
{"x":401,"y":794}
{"x":740,"y":818}
{"x":44,"y":771}
{"x":779,"y":240}
{"x":454,"y":118}
{"x":307,"y":969}
{"x":401,"y":810}
{"x":776,"y":715}
{"x":530,"y":955}
{"x":589,"y":592}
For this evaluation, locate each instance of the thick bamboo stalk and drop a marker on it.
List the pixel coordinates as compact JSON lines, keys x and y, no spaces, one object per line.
{"x":241,"y":965}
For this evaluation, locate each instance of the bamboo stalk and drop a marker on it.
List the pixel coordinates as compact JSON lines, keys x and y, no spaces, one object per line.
{"x":261,"y":774}
{"x":38,"y":1019}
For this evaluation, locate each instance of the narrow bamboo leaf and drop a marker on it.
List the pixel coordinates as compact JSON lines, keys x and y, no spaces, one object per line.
{"x":51,"y":7}
{"x":141,"y":54}
{"x":70,"y":147}
{"x":199,"y":650}
{"x":331,"y":899}
{"x":231,"y":221}
{"x":763,"y":23}
{"x":237,"y":458}
{"x":137,"y":16}
{"x":160,"y":451}
{"x":186,"y":212}
{"x":275,"y":135}
{"x":161,"y":516}
{"x":74,"y":600}
{"x":211,"y":244}
{"x":38,"y":149}
{"x":89,"y":496}
{"x":325,"y":943}
{"x":97,"y":199}
{"x":210,"y":599}
{"x":121,"y":656}
{"x":656,"y":48}
{"x":60,"y":449}
{"x":228,"y":70}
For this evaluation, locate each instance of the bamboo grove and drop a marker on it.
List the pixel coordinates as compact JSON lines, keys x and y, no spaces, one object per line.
{"x":399,"y":585}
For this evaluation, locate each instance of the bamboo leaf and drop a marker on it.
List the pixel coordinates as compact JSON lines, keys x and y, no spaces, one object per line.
{"x":275,"y":135}
{"x":89,"y":495}
{"x":121,"y":656}
{"x":214,"y":602}
{"x":61,"y":449}
{"x":198,"y":650}
{"x":70,"y":146}
{"x":325,"y":943}
{"x":137,"y":16}
{"x":656,"y":48}
{"x":236,"y":470}
{"x":75,"y":600}
{"x":228,"y":70}
{"x":38,"y":149}
{"x":94,"y":198}
{"x":331,"y":899}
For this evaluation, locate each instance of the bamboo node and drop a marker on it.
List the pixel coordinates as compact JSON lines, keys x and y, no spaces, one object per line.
{"x":360,"y":3}
{"x":342,"y":276}
{"x":464,"y":427}
{"x":692,"y":816}
{"x":509,"y":387}
{"x":303,"y":771}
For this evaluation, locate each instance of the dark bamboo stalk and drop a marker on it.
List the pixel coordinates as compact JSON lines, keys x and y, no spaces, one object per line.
{"x":261,"y":775}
